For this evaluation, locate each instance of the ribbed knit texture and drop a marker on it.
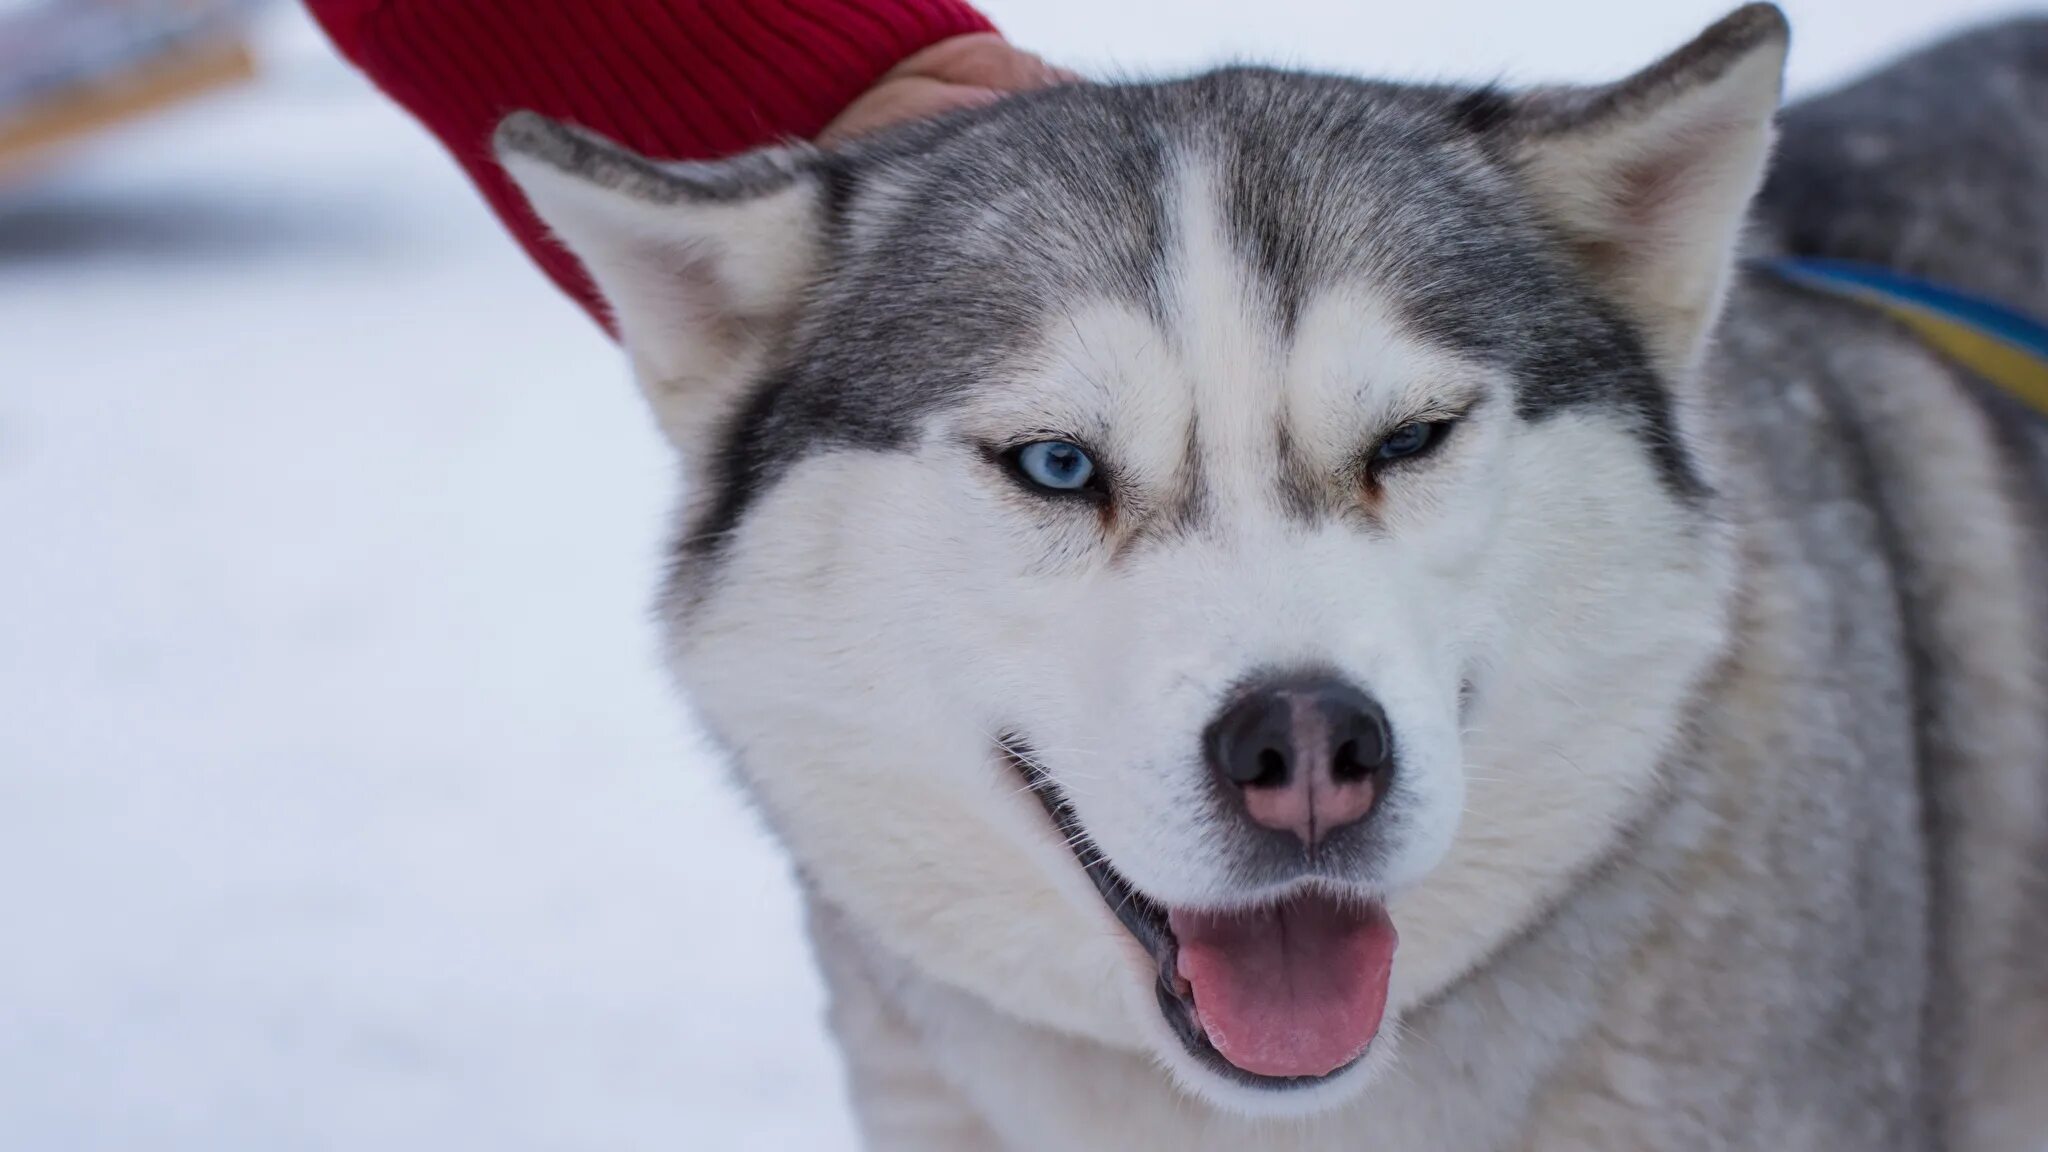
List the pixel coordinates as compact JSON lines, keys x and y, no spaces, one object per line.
{"x":674,"y":79}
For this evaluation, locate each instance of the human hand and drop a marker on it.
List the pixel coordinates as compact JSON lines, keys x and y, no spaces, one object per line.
{"x":956,"y":73}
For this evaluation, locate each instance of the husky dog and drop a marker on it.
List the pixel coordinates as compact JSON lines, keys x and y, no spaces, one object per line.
{"x":1149,"y":548}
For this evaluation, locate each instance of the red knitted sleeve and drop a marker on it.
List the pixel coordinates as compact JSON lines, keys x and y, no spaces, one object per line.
{"x":676,"y":79}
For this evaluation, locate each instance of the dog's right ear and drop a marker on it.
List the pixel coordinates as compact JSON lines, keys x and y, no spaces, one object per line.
{"x":700,"y":264}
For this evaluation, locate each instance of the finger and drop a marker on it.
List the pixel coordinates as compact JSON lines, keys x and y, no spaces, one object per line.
{"x":904,"y":98}
{"x":983,"y":60}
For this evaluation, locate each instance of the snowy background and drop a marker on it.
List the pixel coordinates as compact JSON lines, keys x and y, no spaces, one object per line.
{"x":342,"y":804}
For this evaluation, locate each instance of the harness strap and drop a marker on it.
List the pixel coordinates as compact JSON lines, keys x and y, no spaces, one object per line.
{"x":2004,"y":346}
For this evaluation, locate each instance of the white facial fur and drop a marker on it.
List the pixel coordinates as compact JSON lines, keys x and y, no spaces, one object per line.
{"x":883,"y":617}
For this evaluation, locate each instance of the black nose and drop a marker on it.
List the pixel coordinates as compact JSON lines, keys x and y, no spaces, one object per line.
{"x":1307,"y":756}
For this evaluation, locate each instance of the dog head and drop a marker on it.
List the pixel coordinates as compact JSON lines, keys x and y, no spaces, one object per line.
{"x":1145,"y":544}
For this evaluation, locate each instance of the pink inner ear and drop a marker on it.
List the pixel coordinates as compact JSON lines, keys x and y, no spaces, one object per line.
{"x":1653,"y":189}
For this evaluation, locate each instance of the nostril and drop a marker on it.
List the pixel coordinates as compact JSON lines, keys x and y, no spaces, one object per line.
{"x":1345,"y":766}
{"x":1272,"y":773}
{"x":1362,"y":753}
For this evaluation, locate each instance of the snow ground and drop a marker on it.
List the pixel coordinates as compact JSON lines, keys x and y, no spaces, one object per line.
{"x":341,"y":802}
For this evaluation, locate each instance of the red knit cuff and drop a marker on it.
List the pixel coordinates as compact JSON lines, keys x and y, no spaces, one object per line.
{"x":675,"y":79}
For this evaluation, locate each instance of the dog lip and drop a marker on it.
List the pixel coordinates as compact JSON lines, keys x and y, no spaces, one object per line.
{"x":1139,"y":915}
{"x":1146,"y":921}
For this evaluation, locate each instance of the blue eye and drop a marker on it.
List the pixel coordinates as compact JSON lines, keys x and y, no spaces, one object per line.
{"x":1055,"y":465}
{"x":1410,"y":440}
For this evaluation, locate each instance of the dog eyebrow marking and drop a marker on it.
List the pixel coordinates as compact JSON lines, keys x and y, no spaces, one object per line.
{"x":1195,"y":503}
{"x":1190,"y":508}
{"x":1300,"y":492}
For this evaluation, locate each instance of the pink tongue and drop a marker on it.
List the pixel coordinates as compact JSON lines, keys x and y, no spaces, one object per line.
{"x":1293,"y":990}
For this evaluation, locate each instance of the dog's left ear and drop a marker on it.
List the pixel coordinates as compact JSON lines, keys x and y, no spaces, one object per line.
{"x":701,"y":265}
{"x":1650,"y":178}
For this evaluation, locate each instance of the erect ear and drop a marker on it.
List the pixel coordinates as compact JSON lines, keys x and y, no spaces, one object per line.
{"x":700,"y":264}
{"x":1650,"y":178}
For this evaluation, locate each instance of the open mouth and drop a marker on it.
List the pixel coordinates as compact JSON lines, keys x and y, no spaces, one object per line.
{"x":1279,"y":995}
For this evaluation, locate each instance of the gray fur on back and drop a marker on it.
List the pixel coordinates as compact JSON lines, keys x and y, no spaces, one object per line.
{"x":1936,"y":166}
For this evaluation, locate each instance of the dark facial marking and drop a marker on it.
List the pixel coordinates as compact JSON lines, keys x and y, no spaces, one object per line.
{"x":1186,"y":509}
{"x":1301,"y":488}
{"x":1483,"y":110}
{"x":954,"y":244}
{"x":1194,"y":503}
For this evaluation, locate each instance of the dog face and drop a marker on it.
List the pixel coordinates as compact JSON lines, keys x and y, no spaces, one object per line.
{"x":1146,"y":546}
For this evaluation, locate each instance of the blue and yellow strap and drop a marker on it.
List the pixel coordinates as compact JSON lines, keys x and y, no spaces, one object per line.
{"x":2008,"y":348}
